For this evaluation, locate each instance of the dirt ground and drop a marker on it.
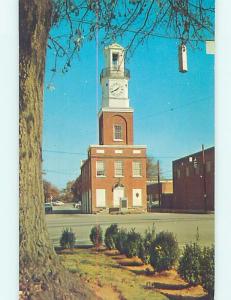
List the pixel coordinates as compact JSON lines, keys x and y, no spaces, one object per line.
{"x":114,"y":276}
{"x":168,"y":283}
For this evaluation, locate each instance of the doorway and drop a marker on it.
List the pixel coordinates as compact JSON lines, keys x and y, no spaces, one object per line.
{"x":118,"y":194}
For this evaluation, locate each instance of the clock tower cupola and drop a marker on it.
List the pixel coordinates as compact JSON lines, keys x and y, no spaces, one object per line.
{"x":114,"y":78}
{"x":116,"y":115}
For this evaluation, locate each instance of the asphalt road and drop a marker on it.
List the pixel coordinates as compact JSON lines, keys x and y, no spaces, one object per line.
{"x":184,"y":226}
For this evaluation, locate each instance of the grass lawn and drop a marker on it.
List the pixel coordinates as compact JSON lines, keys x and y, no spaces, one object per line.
{"x":105,"y":271}
{"x":107,"y":276}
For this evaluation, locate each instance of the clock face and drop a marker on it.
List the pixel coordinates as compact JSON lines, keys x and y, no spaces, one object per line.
{"x":117,"y":89}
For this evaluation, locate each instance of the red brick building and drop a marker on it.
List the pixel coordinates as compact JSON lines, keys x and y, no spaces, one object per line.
{"x":160,"y":194}
{"x":193,"y":181}
{"x":114,"y":174}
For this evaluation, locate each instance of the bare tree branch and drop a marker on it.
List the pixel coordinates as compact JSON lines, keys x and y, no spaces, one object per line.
{"x":132,"y":20}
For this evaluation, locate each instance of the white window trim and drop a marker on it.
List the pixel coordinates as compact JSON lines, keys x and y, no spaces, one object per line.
{"x":116,"y":175}
{"x":114,"y":139}
{"x":100,"y":176}
{"x":137,"y":176}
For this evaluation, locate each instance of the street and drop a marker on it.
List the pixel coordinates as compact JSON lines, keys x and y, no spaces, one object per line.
{"x":184,"y":226}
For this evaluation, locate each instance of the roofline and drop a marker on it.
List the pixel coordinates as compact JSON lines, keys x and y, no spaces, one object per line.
{"x":114,"y":46}
{"x":195,"y":153}
{"x":115,"y":110}
{"x":118,"y":146}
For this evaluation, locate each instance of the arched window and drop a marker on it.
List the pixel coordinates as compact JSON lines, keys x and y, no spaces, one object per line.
{"x":119,"y":129}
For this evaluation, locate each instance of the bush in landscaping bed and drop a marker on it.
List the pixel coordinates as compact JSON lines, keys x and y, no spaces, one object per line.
{"x":96,"y":236}
{"x":145,"y":245}
{"x":67,"y":239}
{"x":189,"y":263}
{"x":110,"y":236}
{"x":164,"y":251}
{"x":132,"y":243}
{"x":207,"y":270}
{"x":120,"y":240}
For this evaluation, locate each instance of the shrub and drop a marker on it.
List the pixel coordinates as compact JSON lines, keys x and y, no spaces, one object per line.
{"x":145,"y":245}
{"x":110,"y":236}
{"x":67,"y":239}
{"x":120,"y":240}
{"x":164,"y":251}
{"x":207,"y":270}
{"x":132,"y":243}
{"x":189,"y":263}
{"x":96,"y":236}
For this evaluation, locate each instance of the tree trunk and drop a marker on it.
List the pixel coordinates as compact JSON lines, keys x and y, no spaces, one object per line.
{"x":39,"y":266}
{"x":34,"y":25}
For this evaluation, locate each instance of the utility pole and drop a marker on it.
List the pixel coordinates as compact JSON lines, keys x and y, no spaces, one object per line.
{"x":204,"y":178}
{"x":158,"y":178}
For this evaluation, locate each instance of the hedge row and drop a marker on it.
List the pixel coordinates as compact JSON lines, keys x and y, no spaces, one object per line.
{"x":195,"y":264}
{"x":160,"y":250}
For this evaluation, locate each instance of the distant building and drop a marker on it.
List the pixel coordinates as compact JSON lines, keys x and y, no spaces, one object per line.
{"x":193,"y":181}
{"x":160,"y":194}
{"x":114,"y":174}
{"x":77,"y":189}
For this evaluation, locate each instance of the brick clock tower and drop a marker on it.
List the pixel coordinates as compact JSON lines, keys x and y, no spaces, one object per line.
{"x":114,"y":175}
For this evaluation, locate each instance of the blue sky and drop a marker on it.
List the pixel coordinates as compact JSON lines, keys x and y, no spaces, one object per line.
{"x":174,"y":112}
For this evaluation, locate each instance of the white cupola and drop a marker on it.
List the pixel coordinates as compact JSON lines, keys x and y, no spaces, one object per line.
{"x":114,"y":78}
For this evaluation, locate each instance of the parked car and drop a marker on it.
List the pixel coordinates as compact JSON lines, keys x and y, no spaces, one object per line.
{"x":57,"y":203}
{"x":48,"y":208}
{"x":77,"y":205}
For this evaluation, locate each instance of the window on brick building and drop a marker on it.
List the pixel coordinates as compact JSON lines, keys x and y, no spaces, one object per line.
{"x":187,"y":171}
{"x":118,"y":132}
{"x":100,"y":168}
{"x":136,"y":168}
{"x":119,"y":168}
{"x":178,"y":173}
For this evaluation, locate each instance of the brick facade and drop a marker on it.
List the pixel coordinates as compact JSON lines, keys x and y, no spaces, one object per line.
{"x":114,"y":174}
{"x":162,"y":190}
{"x":108,"y":182}
{"x":189,"y":185}
{"x":107,"y":120}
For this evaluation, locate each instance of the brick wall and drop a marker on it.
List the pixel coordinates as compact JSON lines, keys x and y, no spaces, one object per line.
{"x":92,"y":182}
{"x":107,"y":120}
{"x":166,"y":193}
{"x":188,"y":181}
